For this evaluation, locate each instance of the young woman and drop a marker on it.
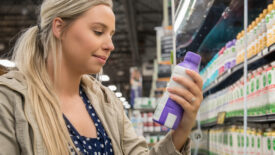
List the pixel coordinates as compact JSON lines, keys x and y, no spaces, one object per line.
{"x":50,"y":105}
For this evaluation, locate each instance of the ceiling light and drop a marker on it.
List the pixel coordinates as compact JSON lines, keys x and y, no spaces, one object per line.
{"x":120,"y":73}
{"x":2,"y":46}
{"x":125,"y":103}
{"x":181,"y":15}
{"x":118,"y":94}
{"x":7,"y":63}
{"x":122,"y":99}
{"x":127,"y":106}
{"x":112,"y":87}
{"x":104,"y":78}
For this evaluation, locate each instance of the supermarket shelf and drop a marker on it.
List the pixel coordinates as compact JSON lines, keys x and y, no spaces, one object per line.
{"x":145,"y":109}
{"x":250,"y":119}
{"x":155,"y":132}
{"x":233,"y":74}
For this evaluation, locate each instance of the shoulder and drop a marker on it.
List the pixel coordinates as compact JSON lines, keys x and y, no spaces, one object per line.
{"x":10,"y":102}
{"x":12,"y":88}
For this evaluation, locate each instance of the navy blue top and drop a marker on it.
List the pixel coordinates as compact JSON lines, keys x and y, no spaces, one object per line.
{"x":93,"y":146}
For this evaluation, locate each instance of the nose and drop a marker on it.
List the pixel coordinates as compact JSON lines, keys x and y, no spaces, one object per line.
{"x":109,"y":45}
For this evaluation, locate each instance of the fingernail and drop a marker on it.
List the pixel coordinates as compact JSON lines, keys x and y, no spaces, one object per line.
{"x":175,"y":78}
{"x":171,"y":96}
{"x":169,"y":89}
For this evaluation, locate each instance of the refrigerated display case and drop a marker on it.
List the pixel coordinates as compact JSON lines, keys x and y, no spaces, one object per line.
{"x":240,"y":85}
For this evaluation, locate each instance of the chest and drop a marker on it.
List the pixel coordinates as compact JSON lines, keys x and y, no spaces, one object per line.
{"x":78,"y":115}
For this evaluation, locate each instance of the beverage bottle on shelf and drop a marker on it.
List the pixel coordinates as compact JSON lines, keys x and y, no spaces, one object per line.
{"x":259,"y":95}
{"x":248,"y":140}
{"x":168,"y":112}
{"x":273,"y":23}
{"x":258,"y":34}
{"x":249,"y":41}
{"x":242,"y":47}
{"x":268,"y":20}
{"x":220,"y":65}
{"x":267,"y":142}
{"x":145,"y":122}
{"x":235,"y":99}
{"x":259,"y":142}
{"x":233,"y":140}
{"x":271,"y":86}
{"x":253,"y":141}
{"x":233,"y":53}
{"x":225,"y":61}
{"x":253,"y":97}
{"x":241,"y":98}
{"x":273,"y":141}
{"x":150,"y":122}
{"x":241,"y":140}
{"x":249,"y":93}
{"x":265,"y":89}
{"x":238,"y":48}
{"x":254,"y":37}
{"x":261,"y":31}
{"x":264,"y":29}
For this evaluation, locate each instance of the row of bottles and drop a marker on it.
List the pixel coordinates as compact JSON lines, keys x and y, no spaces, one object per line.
{"x":230,"y":141}
{"x":260,"y":34}
{"x":260,"y":96}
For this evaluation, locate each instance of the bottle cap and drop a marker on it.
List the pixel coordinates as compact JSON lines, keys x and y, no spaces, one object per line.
{"x":265,"y":12}
{"x":228,"y":44}
{"x":269,"y":8}
{"x":234,"y":42}
{"x":191,"y":61}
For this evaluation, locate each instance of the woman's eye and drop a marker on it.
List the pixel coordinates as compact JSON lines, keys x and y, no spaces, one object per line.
{"x":98,"y":33}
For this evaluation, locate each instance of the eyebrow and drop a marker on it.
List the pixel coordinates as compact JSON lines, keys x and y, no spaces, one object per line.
{"x":104,"y":26}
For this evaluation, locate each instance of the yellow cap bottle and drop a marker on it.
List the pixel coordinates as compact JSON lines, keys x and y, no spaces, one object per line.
{"x":269,"y":8}
{"x":269,"y":25}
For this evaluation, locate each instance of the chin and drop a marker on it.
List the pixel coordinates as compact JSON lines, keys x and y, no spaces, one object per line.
{"x":94,"y":71}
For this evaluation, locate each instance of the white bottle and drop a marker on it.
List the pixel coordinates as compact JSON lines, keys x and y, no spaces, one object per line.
{"x":168,"y":112}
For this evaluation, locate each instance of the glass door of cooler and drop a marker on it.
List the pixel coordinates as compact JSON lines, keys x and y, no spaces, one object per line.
{"x":237,"y":67}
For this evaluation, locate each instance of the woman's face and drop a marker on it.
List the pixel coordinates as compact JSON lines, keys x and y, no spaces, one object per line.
{"x":87,"y":43}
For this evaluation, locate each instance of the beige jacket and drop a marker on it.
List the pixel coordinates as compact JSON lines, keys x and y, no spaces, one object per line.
{"x":19,"y":133}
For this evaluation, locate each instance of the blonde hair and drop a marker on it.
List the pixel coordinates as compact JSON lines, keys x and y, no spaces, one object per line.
{"x":30,"y":55}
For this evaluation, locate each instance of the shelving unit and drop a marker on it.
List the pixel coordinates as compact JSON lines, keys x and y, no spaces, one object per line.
{"x":233,"y":74}
{"x":220,"y":39}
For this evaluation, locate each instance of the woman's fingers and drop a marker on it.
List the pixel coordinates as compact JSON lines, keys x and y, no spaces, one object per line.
{"x":188,"y":84}
{"x":182,"y":102}
{"x":196,"y":77}
{"x":182,"y":93}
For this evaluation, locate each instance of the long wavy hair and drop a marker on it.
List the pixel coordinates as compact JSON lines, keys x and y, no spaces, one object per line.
{"x":30,"y":56}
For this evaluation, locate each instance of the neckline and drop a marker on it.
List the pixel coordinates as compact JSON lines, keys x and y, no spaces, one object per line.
{"x":76,"y":132}
{"x":84,"y":101}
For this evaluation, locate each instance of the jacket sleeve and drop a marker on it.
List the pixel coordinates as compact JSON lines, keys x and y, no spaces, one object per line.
{"x":134,"y":145}
{"x":8,"y":142}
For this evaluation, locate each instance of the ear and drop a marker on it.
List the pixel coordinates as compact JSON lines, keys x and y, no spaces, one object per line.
{"x":57,"y":27}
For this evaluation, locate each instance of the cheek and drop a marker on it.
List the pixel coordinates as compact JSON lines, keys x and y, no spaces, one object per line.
{"x":82,"y":40}
{"x":79,"y":44}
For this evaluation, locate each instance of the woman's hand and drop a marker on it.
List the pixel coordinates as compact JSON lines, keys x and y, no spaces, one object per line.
{"x":190,"y":99}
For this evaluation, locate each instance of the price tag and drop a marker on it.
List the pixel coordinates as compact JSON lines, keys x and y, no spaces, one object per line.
{"x":221,"y":117}
{"x":265,"y":51}
{"x":272,"y":48}
{"x":197,"y":136}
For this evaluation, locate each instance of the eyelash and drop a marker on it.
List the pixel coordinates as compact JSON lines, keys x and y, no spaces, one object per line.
{"x":98,"y":33}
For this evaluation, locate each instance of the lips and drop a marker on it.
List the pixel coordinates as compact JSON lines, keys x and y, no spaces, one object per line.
{"x":101,"y":57}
